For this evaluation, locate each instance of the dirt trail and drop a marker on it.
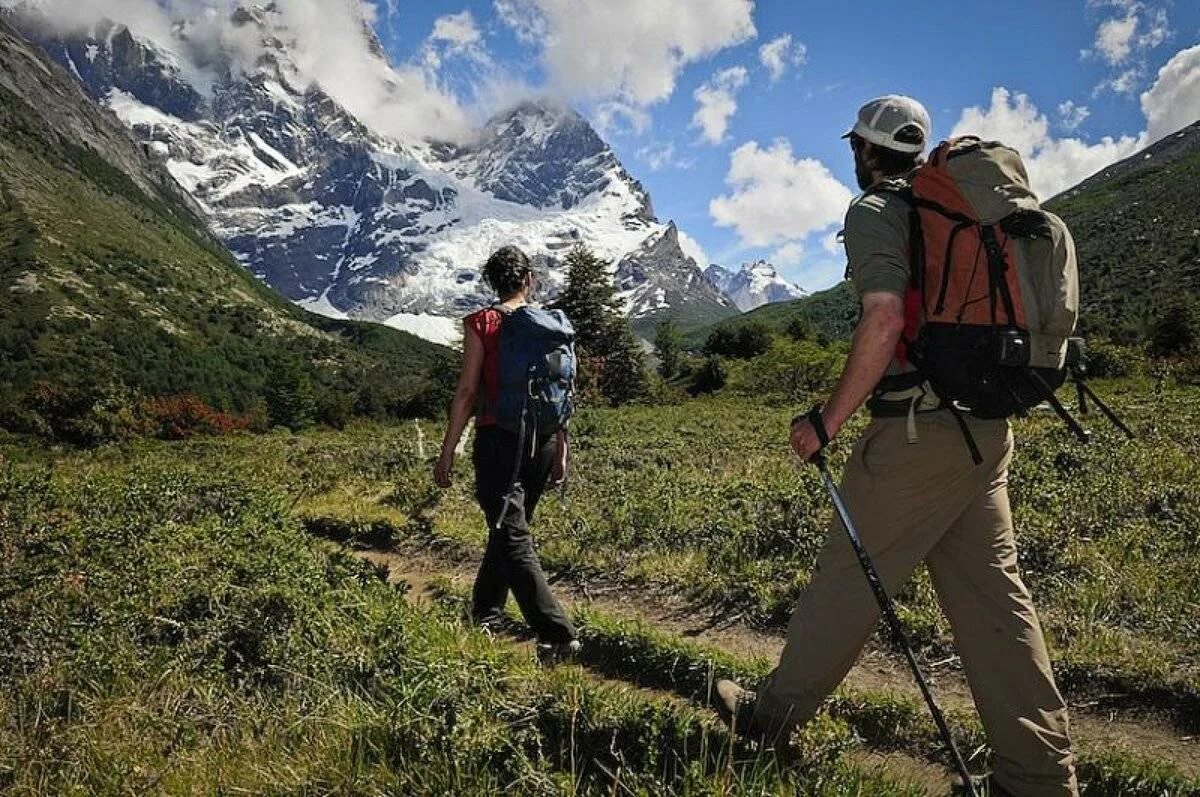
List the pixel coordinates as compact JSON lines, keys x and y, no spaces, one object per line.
{"x":1094,"y":728}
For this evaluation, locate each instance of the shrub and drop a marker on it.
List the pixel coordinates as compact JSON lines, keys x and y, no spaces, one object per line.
{"x":180,"y":417}
{"x":1176,"y":332}
{"x":82,"y":416}
{"x":741,"y":342}
{"x":800,"y":328}
{"x":711,"y":376}
{"x":791,"y":369}
{"x":1107,"y":360}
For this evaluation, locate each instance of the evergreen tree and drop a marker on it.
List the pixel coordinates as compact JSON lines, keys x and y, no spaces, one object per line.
{"x":589,"y":300}
{"x":625,"y":378}
{"x":290,"y":398}
{"x":668,"y":347}
{"x":603,"y":335}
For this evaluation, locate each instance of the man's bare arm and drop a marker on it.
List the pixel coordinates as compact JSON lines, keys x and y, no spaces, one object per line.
{"x":872,"y":349}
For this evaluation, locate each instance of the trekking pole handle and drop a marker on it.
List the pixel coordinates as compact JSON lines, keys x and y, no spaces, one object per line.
{"x":815,"y":419}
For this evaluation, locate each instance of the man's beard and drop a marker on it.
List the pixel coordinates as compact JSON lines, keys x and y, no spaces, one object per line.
{"x":862,"y":172}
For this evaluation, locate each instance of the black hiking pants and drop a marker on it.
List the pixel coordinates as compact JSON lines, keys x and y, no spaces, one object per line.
{"x":510,"y":562}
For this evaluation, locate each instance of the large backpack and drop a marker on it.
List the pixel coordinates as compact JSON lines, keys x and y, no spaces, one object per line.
{"x":994,"y":292}
{"x":537,"y":372}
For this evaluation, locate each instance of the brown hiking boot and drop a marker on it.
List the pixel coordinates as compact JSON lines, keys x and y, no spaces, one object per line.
{"x":734,"y":705}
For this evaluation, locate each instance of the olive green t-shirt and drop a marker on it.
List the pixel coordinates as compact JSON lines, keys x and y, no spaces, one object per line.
{"x":876,"y":238}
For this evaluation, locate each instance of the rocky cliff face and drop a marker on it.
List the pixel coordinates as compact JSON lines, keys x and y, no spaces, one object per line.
{"x":349,"y":222}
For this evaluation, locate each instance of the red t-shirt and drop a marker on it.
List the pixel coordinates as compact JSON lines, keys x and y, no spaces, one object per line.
{"x":486,"y":324}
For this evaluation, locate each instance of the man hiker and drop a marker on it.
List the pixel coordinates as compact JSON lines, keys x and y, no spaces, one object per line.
{"x":916,"y":496}
{"x":517,"y":375}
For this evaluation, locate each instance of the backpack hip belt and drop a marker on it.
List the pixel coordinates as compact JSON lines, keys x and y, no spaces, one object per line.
{"x":899,"y":397}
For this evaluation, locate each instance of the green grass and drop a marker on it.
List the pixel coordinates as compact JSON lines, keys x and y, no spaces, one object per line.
{"x":175,"y":630}
{"x":640,"y":654}
{"x":197,"y":579}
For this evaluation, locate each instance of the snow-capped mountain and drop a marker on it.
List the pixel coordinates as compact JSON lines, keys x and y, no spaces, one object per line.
{"x":753,"y":285}
{"x":346,"y":221}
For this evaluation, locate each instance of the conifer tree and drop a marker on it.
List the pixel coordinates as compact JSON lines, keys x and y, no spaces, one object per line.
{"x":625,"y":378}
{"x":290,"y":398}
{"x":589,"y":300}
{"x":668,"y":346}
{"x":603,"y":334}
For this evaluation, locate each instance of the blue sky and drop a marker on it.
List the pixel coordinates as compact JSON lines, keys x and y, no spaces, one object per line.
{"x":1072,"y":72}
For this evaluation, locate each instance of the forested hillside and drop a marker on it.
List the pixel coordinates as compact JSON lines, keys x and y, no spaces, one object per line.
{"x":112,"y":292}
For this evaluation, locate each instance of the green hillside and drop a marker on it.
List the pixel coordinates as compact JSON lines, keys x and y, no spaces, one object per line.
{"x":1137,"y":230}
{"x":832,"y":313}
{"x":110,"y":285}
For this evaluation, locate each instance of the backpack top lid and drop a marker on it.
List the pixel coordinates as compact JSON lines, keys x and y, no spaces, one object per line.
{"x":988,"y":174}
{"x":537,"y":323}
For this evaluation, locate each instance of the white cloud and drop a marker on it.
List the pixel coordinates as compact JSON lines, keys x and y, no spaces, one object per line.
{"x":790,"y":254}
{"x":1054,"y":163}
{"x":632,"y":50}
{"x":1125,"y":82}
{"x":1124,"y":41}
{"x":1071,"y":116}
{"x":1173,"y":102}
{"x":1114,"y":38}
{"x":457,"y":29}
{"x":692,"y":248}
{"x":614,"y":117}
{"x":717,"y":103}
{"x":454,"y":35}
{"x":779,"y":54}
{"x":329,"y":41}
{"x":659,"y":156}
{"x":777,"y":197}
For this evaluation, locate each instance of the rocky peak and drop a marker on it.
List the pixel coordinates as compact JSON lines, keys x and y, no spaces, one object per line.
{"x":754,"y":284}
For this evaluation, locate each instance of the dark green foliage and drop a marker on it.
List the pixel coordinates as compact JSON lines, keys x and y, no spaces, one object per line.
{"x":711,"y":375}
{"x":799,"y":327}
{"x":668,"y":347}
{"x":611,"y":357}
{"x":589,"y":299}
{"x":625,"y":377}
{"x":1135,"y":229}
{"x":1175,"y":332}
{"x":740,"y":342}
{"x":832,"y":314}
{"x":290,"y":399}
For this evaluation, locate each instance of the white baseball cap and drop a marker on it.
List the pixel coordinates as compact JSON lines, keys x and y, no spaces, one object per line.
{"x":893,"y":121}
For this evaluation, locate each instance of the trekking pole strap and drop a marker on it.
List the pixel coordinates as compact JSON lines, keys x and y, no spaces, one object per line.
{"x":815,"y":419}
{"x":893,"y":620}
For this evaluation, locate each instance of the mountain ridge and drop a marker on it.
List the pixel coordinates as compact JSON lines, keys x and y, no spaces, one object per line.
{"x":108,"y":277}
{"x":349,"y":222}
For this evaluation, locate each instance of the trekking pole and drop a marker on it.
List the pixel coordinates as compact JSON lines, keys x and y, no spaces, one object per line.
{"x":882,"y":598}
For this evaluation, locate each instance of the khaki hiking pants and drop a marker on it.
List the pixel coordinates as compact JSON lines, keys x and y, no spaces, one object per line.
{"x":926,"y":501}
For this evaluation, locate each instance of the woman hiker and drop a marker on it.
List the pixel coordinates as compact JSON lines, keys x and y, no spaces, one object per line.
{"x":512,"y":468}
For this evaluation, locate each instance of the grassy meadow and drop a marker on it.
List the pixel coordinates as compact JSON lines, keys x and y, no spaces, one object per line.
{"x":181,"y":623}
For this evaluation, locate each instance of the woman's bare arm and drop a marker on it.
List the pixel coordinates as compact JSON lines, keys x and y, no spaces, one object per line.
{"x":463,"y":404}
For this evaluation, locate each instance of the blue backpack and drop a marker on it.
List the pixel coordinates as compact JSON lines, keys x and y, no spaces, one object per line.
{"x":537,"y":372}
